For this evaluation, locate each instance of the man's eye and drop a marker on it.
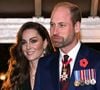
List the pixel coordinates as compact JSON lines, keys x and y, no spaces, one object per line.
{"x":51,"y":24}
{"x":62,"y":25}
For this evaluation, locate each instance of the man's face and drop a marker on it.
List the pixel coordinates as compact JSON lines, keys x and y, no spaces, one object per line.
{"x":62,"y":30}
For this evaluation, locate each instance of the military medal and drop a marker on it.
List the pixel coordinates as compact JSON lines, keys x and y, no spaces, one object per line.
{"x":76,"y":83}
{"x":85,"y":77}
{"x":64,"y":75}
{"x":93,"y":77}
{"x":82,"y":81}
{"x":93,"y":81}
{"x":77,"y":78}
{"x":89,"y":75}
{"x":87,"y":82}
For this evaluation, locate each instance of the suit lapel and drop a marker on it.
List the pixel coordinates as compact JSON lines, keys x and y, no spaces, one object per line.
{"x":55,"y":71}
{"x":83,"y":52}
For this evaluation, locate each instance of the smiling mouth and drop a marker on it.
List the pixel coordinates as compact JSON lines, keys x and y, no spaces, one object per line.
{"x":30,"y":53}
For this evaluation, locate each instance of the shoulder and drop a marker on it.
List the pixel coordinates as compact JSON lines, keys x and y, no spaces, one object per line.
{"x":48,"y":59}
{"x":90,"y":50}
{"x":90,"y":53}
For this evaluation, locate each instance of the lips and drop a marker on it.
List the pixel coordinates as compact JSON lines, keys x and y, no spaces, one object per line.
{"x":30,"y":52}
{"x":56,"y":38}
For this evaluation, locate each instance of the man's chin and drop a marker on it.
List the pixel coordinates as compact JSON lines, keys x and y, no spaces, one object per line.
{"x":57,"y":45}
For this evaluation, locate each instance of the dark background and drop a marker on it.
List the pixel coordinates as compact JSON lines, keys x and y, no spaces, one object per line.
{"x":26,"y":8}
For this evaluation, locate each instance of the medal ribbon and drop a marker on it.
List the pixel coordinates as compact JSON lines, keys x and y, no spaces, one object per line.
{"x":67,"y":62}
{"x":93,"y":73}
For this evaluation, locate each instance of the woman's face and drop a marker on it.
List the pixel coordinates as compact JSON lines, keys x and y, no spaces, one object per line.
{"x":32,"y":44}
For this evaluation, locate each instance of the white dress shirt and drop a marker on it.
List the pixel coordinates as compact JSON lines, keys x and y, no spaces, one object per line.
{"x":72,"y":54}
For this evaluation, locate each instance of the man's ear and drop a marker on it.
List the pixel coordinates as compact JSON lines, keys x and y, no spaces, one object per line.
{"x":77,"y":27}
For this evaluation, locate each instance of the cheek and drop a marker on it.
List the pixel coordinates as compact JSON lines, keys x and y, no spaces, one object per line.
{"x":39,"y":47}
{"x":38,"y":51}
{"x":64,"y":33}
{"x":67,"y":33}
{"x":23,"y":49}
{"x":51,"y":32}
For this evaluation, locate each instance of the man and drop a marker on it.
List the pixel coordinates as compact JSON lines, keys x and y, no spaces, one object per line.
{"x":84,"y":62}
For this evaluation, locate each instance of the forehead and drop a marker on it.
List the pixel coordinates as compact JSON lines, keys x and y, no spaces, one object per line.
{"x":61,"y":13}
{"x":30,"y":33}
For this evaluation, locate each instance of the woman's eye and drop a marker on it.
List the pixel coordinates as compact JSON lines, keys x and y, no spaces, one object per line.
{"x":23,"y":42}
{"x":33,"y":41}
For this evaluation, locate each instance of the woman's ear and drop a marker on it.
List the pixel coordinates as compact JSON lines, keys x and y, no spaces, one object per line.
{"x":45,"y":44}
{"x":77,"y":27}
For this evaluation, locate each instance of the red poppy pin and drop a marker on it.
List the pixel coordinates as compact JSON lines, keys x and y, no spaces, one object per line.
{"x":83,"y":62}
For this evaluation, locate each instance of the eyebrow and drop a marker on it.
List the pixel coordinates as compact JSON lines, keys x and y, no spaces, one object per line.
{"x":31,"y":38}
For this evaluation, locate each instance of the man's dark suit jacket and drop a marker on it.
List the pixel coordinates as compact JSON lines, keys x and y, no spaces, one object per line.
{"x":47,"y":76}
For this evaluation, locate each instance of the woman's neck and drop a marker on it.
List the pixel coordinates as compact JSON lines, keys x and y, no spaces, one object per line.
{"x":33,"y":67}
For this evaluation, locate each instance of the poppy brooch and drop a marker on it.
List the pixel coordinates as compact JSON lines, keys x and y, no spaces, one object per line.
{"x":83,"y":62}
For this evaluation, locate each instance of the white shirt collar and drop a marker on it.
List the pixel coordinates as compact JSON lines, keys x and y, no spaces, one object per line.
{"x":72,"y":54}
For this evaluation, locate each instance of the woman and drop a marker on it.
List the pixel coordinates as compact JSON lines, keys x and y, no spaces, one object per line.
{"x":33,"y":42}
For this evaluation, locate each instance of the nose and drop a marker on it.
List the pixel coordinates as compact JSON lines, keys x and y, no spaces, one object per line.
{"x":55,"y":30}
{"x":28,"y":46}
